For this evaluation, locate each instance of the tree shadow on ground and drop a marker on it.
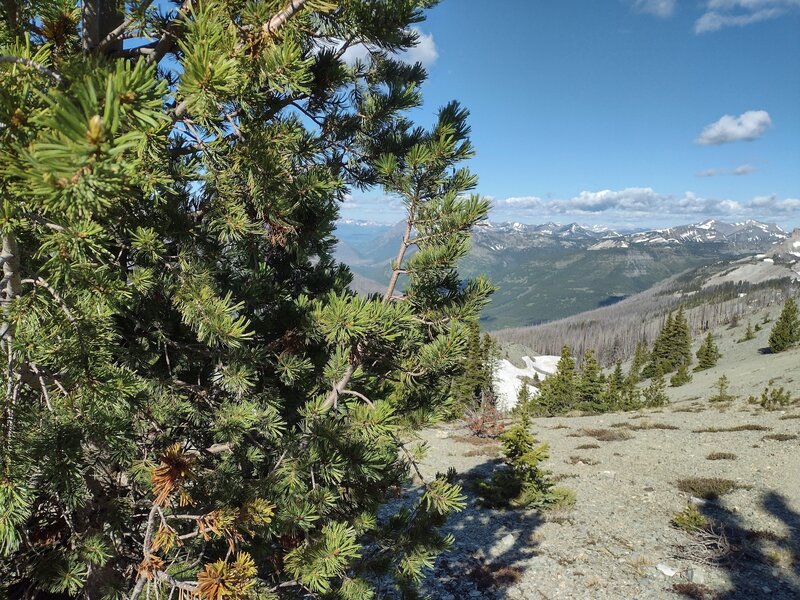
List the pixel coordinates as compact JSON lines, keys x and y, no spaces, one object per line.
{"x":759,"y":563}
{"x":492,"y":546}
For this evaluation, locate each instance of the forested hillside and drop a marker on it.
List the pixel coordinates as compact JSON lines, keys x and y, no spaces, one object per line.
{"x":548,"y":272}
{"x":710,"y":297}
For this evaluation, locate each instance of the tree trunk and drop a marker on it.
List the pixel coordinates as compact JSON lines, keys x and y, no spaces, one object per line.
{"x":101,"y":17}
{"x":11,"y":283}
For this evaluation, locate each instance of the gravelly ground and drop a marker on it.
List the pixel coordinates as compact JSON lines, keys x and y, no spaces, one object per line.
{"x":617,"y":541}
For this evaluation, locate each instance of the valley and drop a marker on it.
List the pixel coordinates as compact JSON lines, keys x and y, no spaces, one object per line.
{"x":549,"y":272}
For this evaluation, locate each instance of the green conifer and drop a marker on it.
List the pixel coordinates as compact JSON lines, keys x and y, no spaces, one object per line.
{"x":590,"y":381}
{"x":559,"y":392}
{"x":786,"y":331}
{"x":655,"y":393}
{"x":681,"y":376}
{"x":749,"y":334}
{"x":708,"y":354}
{"x":195,"y":403}
{"x":722,"y":395}
{"x":640,"y":358}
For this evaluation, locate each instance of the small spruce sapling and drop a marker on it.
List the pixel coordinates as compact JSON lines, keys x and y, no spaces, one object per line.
{"x":749,"y":333}
{"x":722,"y":394}
{"x":681,"y":376}
{"x":655,"y":394}
{"x":523,"y":482}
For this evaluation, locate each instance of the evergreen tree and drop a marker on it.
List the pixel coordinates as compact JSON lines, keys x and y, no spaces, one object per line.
{"x":655,"y":394}
{"x":630,"y":395}
{"x":617,"y":377}
{"x":708,"y":354}
{"x":672,"y":348}
{"x":523,"y":483}
{"x":660,"y":353}
{"x":590,"y":381}
{"x":640,"y":358}
{"x":749,"y":334}
{"x":722,"y":394}
{"x":559,"y":392}
{"x":474,"y":388}
{"x":786,"y":331}
{"x":681,"y":376}
{"x":611,"y":397}
{"x":681,"y":341}
{"x":524,"y":407}
{"x":194,"y":401}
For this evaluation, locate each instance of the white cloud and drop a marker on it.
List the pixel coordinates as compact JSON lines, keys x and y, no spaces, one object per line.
{"x":424,"y":52}
{"x":774,"y":205}
{"x":641,"y":204}
{"x":659,"y":8}
{"x":740,"y":170}
{"x":642,"y":201}
{"x":738,"y":13}
{"x":749,"y":126}
{"x":743,"y":170}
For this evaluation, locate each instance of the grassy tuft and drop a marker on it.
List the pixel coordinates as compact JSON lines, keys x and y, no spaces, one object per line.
{"x":689,"y":519}
{"x":780,"y":437}
{"x":605,"y":435}
{"x":695,"y":591}
{"x":709,"y":487}
{"x":721,"y":456}
{"x":745,"y":427}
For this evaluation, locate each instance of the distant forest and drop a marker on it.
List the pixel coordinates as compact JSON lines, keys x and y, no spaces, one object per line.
{"x":614,"y":331}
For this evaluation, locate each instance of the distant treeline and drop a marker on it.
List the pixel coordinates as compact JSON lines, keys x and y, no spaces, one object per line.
{"x":614,"y":331}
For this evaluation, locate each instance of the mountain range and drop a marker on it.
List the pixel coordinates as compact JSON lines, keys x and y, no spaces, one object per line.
{"x":550,"y":271}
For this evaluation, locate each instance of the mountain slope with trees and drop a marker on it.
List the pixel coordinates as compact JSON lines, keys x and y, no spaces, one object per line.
{"x":547,"y":272}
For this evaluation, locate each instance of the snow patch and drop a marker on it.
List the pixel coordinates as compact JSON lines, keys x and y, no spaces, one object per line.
{"x":508,"y":378}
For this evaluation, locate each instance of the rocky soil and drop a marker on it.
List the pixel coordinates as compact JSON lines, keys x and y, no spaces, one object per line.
{"x":617,"y":540}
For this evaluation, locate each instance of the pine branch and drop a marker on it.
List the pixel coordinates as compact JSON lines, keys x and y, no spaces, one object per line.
{"x":33,"y":65}
{"x":57,"y":297}
{"x":277,"y":21}
{"x":333,"y":395}
{"x":388,"y":296}
{"x":358,"y":395}
{"x":170,"y":35}
{"x":119,"y":31}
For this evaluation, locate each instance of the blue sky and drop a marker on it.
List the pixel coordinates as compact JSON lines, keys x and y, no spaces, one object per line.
{"x":620,"y":112}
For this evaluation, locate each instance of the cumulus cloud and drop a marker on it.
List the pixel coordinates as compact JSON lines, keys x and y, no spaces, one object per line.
{"x":740,"y":170}
{"x":641,"y":201}
{"x":659,"y":8}
{"x":738,"y":13}
{"x":640,"y":204}
{"x":748,"y":126}
{"x":774,"y":205}
{"x":424,"y":51}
